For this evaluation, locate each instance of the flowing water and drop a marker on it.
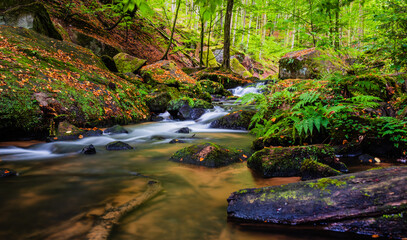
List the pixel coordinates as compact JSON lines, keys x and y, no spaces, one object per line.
{"x":57,"y":184}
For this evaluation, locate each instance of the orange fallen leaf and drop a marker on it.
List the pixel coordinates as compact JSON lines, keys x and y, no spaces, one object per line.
{"x":244,"y":156}
{"x":201,"y":159}
{"x":80,"y":136}
{"x":344,"y":142}
{"x":375,"y":236}
{"x":6,"y":171}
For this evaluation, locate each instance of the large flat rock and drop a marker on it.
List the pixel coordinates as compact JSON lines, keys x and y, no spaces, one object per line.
{"x":375,"y":199}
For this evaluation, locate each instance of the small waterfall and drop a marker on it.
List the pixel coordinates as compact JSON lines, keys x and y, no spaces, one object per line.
{"x":154,"y":133}
{"x":253,"y":88}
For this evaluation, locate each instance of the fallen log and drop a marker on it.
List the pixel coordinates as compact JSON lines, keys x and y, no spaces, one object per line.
{"x":371,"y":202}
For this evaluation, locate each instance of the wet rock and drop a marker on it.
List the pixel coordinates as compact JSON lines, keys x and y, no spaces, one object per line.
{"x":116,"y":129}
{"x":5,"y":172}
{"x":184,"y":130}
{"x":228,"y":80}
{"x":207,"y":154}
{"x":173,"y":141}
{"x":287,"y":161}
{"x":157,"y":102}
{"x":214,"y":88}
{"x":68,"y":132}
{"x":188,"y":109}
{"x":156,"y":118}
{"x":89,"y":150}
{"x":239,"y":120}
{"x":366,"y":158}
{"x":165,"y":72}
{"x":118,"y":145}
{"x":93,"y":133}
{"x":307,"y":64}
{"x":369,"y":202}
{"x":127,"y":63}
{"x":31,"y":16}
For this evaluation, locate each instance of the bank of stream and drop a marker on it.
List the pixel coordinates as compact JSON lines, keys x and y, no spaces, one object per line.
{"x":57,"y":184}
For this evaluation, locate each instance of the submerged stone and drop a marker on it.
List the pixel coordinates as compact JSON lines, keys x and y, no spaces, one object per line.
{"x":89,"y":150}
{"x":117,"y":146}
{"x":184,"y":130}
{"x":116,"y":129}
{"x":5,"y":172}
{"x":208,"y":155}
{"x":173,"y":141}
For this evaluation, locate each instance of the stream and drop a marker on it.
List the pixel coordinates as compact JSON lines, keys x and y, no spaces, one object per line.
{"x":57,"y":183}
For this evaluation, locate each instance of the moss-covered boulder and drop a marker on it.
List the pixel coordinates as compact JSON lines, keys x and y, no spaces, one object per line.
{"x":309,"y":64}
{"x":127,"y":63}
{"x":187,"y":108}
{"x":6,"y":172}
{"x":214,"y":88}
{"x":31,"y":16}
{"x":371,"y":203}
{"x":118,"y":146}
{"x":68,"y":132}
{"x":239,"y":120}
{"x":239,"y":69}
{"x":312,"y":169}
{"x":287,"y":161}
{"x":228,"y":80}
{"x":209,"y":59}
{"x":208,"y":155}
{"x":73,"y":82}
{"x":165,"y":72}
{"x":157,"y":101}
{"x":116,"y":129}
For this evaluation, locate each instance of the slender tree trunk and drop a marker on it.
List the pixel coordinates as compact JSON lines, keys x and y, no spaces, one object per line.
{"x":235,"y":26}
{"x":337,"y":10}
{"x":248,"y":32}
{"x":202,"y":42}
{"x":226,"y":36}
{"x":172,"y":31}
{"x":209,"y":43}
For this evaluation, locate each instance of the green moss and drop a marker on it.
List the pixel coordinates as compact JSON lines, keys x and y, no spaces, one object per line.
{"x":323,"y":183}
{"x":211,"y":63}
{"x":74,"y":83}
{"x":238,"y":68}
{"x":206,"y":154}
{"x":126,"y":63}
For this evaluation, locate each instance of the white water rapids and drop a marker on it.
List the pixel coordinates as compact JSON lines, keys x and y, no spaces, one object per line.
{"x":153,"y":132}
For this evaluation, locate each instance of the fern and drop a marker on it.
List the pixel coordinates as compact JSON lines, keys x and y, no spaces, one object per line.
{"x":306,"y":99}
{"x":365,"y":101}
{"x":367,"y":85}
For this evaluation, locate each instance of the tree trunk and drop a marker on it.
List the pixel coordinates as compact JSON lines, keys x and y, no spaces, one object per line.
{"x":226,"y":36}
{"x":209,"y":43}
{"x":172,"y":31}
{"x":202,"y":42}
